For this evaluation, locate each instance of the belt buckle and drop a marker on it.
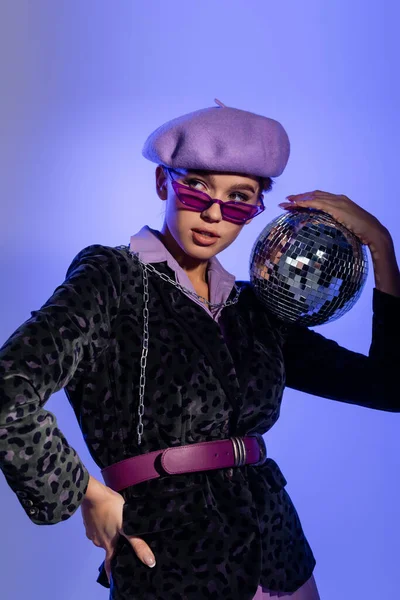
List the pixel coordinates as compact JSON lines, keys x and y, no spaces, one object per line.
{"x":263,"y":449}
{"x":239,"y":451}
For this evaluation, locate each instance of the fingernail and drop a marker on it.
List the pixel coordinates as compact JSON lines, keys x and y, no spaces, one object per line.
{"x":149,"y":560}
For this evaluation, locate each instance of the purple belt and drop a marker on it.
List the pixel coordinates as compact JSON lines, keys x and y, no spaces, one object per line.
{"x":204,"y":456}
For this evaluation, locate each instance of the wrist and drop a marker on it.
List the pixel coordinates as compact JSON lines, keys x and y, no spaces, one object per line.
{"x":386,"y":270}
{"x":95,"y":491}
{"x":381,"y":244}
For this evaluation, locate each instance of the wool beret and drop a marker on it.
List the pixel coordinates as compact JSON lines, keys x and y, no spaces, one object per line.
{"x":221,"y":138}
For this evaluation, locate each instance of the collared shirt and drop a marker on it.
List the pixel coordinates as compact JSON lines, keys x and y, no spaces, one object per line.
{"x":150,"y":249}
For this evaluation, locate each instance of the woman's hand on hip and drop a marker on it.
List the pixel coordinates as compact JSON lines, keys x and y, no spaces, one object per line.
{"x":102,"y":512}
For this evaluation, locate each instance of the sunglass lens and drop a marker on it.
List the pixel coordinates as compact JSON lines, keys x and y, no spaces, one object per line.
{"x":239,"y":212}
{"x":193,"y":199}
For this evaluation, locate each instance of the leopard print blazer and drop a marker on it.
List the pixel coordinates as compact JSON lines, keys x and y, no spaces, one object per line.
{"x":216,"y":534}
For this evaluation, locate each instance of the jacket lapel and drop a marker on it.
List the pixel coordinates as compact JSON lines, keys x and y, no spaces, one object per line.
{"x":204,"y":333}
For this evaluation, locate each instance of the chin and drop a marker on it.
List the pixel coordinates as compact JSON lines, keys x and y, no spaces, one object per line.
{"x":201,"y":252}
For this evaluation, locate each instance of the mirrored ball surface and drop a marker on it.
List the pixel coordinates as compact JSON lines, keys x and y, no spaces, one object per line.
{"x":307,"y":268}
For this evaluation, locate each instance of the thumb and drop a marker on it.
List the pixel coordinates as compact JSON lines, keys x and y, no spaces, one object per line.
{"x":142,"y":550}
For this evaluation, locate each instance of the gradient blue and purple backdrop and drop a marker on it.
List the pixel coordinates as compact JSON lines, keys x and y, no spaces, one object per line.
{"x":83,"y":84}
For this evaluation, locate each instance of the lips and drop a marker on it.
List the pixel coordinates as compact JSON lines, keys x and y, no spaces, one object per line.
{"x":202,"y":238}
{"x":206,"y":232}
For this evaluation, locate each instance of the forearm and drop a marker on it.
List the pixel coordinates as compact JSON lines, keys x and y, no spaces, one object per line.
{"x":386,"y":269}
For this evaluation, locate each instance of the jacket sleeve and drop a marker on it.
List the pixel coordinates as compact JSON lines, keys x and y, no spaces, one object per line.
{"x":39,"y":359}
{"x":320,"y":366}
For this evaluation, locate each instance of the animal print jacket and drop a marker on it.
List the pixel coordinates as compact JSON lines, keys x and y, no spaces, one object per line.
{"x":215,"y":534}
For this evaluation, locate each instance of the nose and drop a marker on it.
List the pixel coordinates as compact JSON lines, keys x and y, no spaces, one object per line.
{"x":213,"y":213}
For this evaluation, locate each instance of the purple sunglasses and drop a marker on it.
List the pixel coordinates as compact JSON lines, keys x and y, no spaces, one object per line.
{"x":235,"y":212}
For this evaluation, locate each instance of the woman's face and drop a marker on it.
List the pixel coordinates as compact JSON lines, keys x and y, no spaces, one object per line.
{"x":185,"y":225}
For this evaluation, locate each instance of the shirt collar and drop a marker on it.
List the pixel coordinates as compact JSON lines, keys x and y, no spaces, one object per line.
{"x":151,"y":250}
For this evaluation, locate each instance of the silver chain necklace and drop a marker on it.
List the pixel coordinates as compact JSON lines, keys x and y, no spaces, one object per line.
{"x":180,"y":287}
{"x":145,"y":346}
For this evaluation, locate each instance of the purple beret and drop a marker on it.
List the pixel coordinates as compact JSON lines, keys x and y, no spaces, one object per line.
{"x":221,"y":138}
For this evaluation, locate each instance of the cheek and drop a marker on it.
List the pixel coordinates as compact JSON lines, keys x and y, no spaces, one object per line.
{"x":178,"y":220}
{"x":172,"y":214}
{"x":230,"y":233}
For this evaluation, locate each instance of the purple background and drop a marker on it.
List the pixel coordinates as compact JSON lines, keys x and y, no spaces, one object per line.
{"x":83,"y":84}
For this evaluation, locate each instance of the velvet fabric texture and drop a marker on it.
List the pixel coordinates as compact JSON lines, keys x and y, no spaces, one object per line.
{"x":308,"y":591}
{"x":221,"y":138}
{"x":214,"y":534}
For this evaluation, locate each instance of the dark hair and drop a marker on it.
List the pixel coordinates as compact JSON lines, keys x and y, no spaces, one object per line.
{"x":265,"y":183}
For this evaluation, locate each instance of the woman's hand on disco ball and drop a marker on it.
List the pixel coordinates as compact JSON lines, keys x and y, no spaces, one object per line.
{"x":360,"y":222}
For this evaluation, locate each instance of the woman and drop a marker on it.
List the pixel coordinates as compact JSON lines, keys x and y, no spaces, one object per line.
{"x":174,"y":372}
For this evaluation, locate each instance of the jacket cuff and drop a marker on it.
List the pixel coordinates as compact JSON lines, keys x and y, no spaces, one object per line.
{"x":43,"y":510}
{"x":385,"y":305}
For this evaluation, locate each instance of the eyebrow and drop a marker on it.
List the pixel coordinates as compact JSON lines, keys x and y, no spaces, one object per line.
{"x":238,"y":186}
{"x":243,"y":186}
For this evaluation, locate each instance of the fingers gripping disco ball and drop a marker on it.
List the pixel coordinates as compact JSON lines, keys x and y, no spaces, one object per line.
{"x":307,"y":268}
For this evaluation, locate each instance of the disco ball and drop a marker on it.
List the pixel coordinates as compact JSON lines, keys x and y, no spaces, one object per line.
{"x":307,"y":268}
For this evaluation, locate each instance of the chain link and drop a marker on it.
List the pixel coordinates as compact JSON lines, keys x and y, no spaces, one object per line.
{"x":143,"y":358}
{"x":180,"y":287}
{"x":145,"y":344}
